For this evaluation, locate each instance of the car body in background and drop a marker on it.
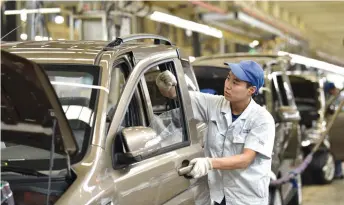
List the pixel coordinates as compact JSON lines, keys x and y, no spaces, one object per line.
{"x":308,"y":88}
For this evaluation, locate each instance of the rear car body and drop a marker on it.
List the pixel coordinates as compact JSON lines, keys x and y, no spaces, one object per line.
{"x":310,"y":100}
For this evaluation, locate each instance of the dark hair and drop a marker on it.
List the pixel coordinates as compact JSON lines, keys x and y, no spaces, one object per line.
{"x":248,"y":84}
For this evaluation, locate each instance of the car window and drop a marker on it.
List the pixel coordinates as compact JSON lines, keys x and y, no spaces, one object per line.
{"x":167,"y":119}
{"x":163,"y":115}
{"x":210,"y":79}
{"x":119,"y":77}
{"x":77,"y":88}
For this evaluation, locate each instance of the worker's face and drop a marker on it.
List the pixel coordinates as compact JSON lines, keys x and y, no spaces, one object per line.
{"x":236,"y":90}
{"x":333,"y":91}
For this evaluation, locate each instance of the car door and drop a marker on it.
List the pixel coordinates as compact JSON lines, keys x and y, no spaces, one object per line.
{"x":155,"y":179}
{"x":285,"y":130}
{"x":291,"y":128}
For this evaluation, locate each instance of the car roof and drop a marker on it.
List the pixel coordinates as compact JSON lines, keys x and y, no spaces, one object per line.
{"x":218,"y":60}
{"x":79,"y":52}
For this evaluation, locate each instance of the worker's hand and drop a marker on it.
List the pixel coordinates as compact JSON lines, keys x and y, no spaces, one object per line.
{"x":166,"y":83}
{"x":201,"y":167}
{"x":166,"y":80}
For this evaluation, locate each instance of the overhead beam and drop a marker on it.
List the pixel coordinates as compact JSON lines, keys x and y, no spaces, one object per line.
{"x":290,"y":23}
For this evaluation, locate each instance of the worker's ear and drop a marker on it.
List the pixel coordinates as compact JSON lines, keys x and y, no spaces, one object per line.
{"x":252,"y":90}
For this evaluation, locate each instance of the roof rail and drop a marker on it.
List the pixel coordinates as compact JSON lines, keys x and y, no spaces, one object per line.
{"x":157,"y":39}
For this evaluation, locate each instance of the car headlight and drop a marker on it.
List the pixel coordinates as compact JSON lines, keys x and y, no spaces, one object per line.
{"x":305,"y":143}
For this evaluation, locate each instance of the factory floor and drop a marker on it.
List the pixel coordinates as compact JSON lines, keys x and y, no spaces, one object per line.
{"x":331,"y":194}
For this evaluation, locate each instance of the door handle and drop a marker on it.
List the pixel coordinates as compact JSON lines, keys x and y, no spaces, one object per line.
{"x":185,"y":170}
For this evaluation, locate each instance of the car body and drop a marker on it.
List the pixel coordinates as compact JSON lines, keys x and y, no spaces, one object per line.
{"x":277,"y":97}
{"x":110,"y":144}
{"x":308,"y":88}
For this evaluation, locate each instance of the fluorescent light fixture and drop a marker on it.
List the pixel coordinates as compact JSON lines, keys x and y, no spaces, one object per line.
{"x":254,"y":43}
{"x":233,"y":29}
{"x":217,"y":19}
{"x":310,"y":62}
{"x":23,"y":36}
{"x":33,"y":11}
{"x":185,"y":24}
{"x":256,"y":23}
{"x":23,"y":17}
{"x":59,"y":19}
{"x":42,"y":38}
{"x":38,"y":38}
{"x":188,"y":33}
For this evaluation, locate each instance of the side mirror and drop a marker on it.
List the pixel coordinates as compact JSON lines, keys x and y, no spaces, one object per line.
{"x":138,"y":142}
{"x":289,"y":114}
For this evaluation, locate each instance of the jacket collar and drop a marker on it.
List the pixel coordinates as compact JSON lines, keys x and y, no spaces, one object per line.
{"x":226,"y":108}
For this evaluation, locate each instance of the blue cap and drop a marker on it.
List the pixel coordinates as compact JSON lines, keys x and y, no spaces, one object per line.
{"x":329,"y":86}
{"x":248,"y":71}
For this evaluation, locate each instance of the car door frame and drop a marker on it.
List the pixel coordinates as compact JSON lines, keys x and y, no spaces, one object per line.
{"x":175,"y":156}
{"x":287,"y":163}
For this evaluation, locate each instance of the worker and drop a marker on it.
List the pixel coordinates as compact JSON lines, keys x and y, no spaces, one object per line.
{"x":240,"y":138}
{"x":332,"y":92}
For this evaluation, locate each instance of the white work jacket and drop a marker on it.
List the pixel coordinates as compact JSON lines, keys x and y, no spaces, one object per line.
{"x":253,"y":129}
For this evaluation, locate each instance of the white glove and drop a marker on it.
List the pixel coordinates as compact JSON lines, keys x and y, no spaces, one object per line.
{"x":201,"y":167}
{"x":166,"y":80}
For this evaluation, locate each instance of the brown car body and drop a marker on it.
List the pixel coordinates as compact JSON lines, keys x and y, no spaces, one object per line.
{"x":142,"y":174}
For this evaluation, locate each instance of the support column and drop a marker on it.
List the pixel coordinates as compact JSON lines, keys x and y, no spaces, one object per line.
{"x":222,"y":45}
{"x":196,"y":44}
{"x":8,"y":22}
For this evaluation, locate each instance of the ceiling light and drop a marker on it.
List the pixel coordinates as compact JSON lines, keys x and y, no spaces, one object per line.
{"x":38,"y":38}
{"x":310,"y":62}
{"x":32,"y":11}
{"x":188,"y":33}
{"x":241,"y":16}
{"x":42,"y":38}
{"x":254,"y":43}
{"x":59,"y":19}
{"x":233,"y":29}
{"x":185,"y":24}
{"x":23,"y":36}
{"x":23,"y":17}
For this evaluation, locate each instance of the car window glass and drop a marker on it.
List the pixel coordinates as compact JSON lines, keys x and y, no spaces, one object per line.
{"x":77,"y":88}
{"x":167,"y":119}
{"x":119,"y":75}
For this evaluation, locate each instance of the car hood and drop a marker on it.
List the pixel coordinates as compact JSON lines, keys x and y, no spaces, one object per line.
{"x":29,"y":107}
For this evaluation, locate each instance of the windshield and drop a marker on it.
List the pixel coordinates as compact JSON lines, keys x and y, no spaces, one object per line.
{"x":77,"y":88}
